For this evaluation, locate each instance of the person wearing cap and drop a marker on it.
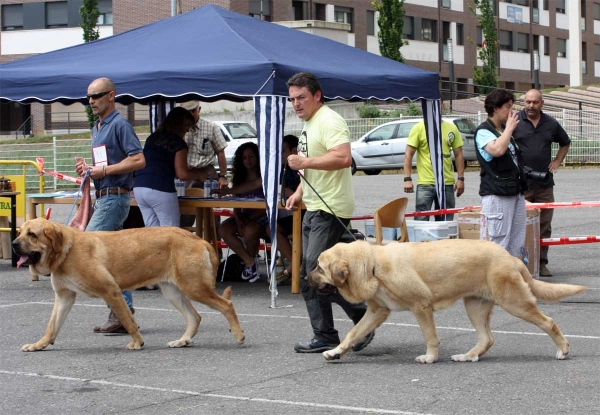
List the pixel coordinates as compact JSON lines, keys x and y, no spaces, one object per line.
{"x":204,"y":143}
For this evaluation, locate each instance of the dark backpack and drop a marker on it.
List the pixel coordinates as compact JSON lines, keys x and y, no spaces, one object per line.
{"x":347,"y":238}
{"x":233,"y":271}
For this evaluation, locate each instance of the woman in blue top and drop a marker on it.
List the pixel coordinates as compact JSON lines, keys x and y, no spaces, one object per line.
{"x":166,"y":158}
{"x":249,"y":224}
{"x":501,"y":187}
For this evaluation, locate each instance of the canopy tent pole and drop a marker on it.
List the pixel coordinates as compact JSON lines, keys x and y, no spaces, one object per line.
{"x":432,"y":115}
{"x":269,"y":112}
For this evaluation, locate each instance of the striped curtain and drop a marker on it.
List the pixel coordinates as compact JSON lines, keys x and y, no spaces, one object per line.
{"x":269,"y":112}
{"x":432,"y":115}
{"x":157,"y":111}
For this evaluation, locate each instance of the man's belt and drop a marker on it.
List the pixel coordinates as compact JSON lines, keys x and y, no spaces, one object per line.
{"x":110,"y":191}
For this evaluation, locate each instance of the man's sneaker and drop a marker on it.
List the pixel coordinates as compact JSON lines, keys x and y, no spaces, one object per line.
{"x":249,"y":273}
{"x":312,"y":346}
{"x":364,"y":342}
{"x":544,"y":271}
{"x":257,"y":276}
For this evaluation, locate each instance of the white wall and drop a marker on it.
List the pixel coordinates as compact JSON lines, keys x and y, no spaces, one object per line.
{"x":597,"y":27}
{"x":426,"y":3}
{"x":44,"y":40}
{"x":562,"y":65}
{"x":597,"y":69}
{"x":515,"y":60}
{"x":373,"y":45}
{"x":544,"y":18}
{"x":544,"y":63}
{"x":418,"y":50}
{"x":562,"y":21}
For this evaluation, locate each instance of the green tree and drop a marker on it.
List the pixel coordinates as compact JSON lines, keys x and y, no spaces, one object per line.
{"x":391,"y":26}
{"x":487,"y":75}
{"x":89,"y":19}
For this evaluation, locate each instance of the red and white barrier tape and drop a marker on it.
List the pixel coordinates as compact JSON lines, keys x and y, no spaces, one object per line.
{"x":40,"y":161}
{"x":569,"y":240}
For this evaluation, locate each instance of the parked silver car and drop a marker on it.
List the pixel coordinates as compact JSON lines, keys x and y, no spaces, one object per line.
{"x":383,"y":147}
{"x":236,"y":133}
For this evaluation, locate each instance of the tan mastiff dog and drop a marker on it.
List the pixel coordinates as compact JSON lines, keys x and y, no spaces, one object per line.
{"x":102,"y":264}
{"x":425,"y":277}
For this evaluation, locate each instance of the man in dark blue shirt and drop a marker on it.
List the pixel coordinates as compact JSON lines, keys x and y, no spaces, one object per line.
{"x":535,"y":134}
{"x":116,"y":154}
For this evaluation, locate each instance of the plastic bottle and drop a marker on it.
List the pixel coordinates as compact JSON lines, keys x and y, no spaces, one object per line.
{"x":214,"y":186}
{"x":207,"y":188}
{"x":180,"y":187}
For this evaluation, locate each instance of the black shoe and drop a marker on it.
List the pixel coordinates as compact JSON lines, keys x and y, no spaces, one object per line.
{"x":313,"y":346}
{"x":364,"y":342}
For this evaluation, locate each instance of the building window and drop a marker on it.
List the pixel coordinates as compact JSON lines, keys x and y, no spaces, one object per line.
{"x":522,"y":2}
{"x":597,"y":54}
{"x":546,"y":46}
{"x":479,"y":37}
{"x":460,"y":37}
{"x":561,"y":48}
{"x":57,"y":14}
{"x":106,"y":15}
{"x":260,"y":9}
{"x":505,"y":38}
{"x":429,"y":30}
{"x":596,"y":11}
{"x":343,"y":15}
{"x":560,"y":6}
{"x":300,"y":10}
{"x":523,"y":42}
{"x":535,"y":12}
{"x":12,"y":17}
{"x":370,"y":23}
{"x":446,"y":4}
{"x":545,"y":5}
{"x":408,"y":31}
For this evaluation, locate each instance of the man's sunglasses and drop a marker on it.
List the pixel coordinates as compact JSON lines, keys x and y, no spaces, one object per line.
{"x":98,"y":95}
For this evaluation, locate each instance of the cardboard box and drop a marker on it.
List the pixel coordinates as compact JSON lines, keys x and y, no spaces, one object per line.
{"x":471,"y":223}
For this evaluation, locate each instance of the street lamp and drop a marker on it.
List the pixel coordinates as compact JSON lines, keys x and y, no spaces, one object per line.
{"x":536,"y":69}
{"x":450,"y":70}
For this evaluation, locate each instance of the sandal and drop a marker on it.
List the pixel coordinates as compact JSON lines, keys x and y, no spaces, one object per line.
{"x":283,"y":277}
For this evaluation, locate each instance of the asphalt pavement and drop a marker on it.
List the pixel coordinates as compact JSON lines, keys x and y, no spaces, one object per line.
{"x":87,"y":373}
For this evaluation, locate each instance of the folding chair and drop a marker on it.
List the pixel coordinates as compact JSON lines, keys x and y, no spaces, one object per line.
{"x":391,"y":215}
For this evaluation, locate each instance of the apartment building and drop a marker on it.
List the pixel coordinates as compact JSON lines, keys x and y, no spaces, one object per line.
{"x":565,"y":34}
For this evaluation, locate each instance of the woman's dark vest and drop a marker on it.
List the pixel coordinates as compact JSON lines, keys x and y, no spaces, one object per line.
{"x":500,"y":176}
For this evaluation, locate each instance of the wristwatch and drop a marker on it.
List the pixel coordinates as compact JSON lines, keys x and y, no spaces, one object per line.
{"x":222,"y":175}
{"x":462,"y":179}
{"x":408,"y":179}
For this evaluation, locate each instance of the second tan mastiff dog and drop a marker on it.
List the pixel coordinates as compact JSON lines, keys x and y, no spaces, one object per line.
{"x":102,"y":264}
{"x":425,"y":277}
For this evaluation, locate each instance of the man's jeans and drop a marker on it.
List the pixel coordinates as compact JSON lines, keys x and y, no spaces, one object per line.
{"x":427,"y":196}
{"x":109,"y":214}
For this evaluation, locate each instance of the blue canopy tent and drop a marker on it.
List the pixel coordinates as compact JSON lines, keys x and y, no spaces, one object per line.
{"x":211,"y":54}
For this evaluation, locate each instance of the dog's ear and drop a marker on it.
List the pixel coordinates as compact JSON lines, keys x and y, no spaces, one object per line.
{"x":53,"y":232}
{"x":340,"y":270}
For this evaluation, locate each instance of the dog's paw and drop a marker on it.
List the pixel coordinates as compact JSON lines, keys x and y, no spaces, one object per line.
{"x":180,"y":343}
{"x":426,"y":358}
{"x":32,"y":348}
{"x":134,"y":345}
{"x":464,"y":358}
{"x":331,"y":355}
{"x":560,"y":355}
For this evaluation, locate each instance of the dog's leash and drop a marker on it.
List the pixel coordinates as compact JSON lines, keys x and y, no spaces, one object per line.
{"x":87,"y":174}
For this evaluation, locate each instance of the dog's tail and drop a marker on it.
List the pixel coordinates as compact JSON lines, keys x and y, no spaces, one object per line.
{"x":227,"y":293}
{"x":548,"y":292}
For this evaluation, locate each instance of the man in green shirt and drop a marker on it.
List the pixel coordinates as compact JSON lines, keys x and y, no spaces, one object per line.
{"x":426,"y":192}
